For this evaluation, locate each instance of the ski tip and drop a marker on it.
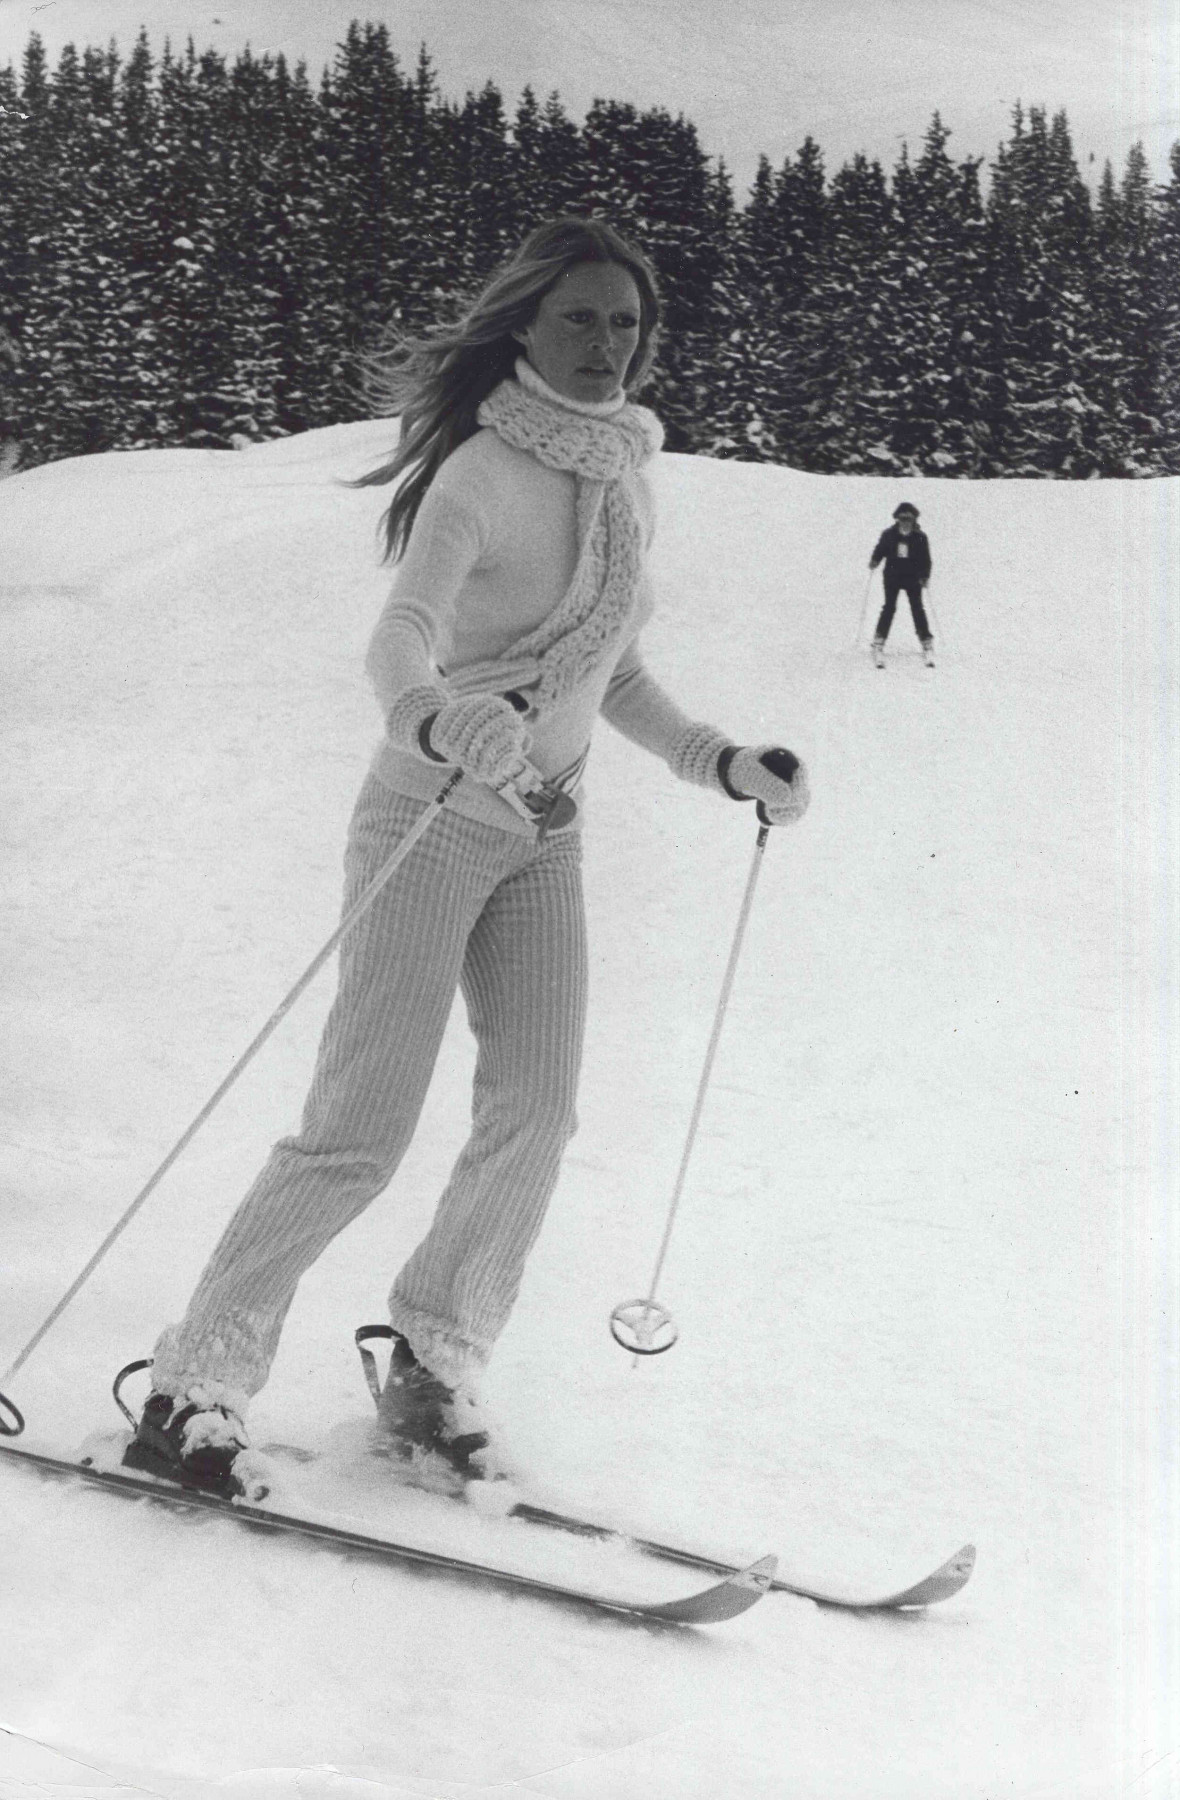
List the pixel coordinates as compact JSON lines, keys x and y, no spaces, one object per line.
{"x":725,"y":1600}
{"x":954,"y":1574}
{"x":947,"y":1580}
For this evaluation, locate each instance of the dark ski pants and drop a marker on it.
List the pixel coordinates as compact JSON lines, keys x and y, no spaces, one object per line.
{"x":913,"y":592}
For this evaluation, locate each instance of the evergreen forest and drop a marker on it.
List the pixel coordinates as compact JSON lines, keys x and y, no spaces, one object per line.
{"x":201,"y":252}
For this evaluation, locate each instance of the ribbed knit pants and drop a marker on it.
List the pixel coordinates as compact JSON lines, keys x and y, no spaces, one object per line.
{"x":501,"y":916}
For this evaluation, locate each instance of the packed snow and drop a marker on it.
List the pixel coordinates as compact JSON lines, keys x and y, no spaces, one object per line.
{"x":921,"y":1265}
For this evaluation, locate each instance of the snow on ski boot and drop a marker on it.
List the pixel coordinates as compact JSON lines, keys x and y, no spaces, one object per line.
{"x":878,"y":649}
{"x":424,"y":1420}
{"x":928,"y":652}
{"x":192,"y":1442}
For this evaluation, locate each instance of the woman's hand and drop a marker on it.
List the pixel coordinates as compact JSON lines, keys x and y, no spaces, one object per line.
{"x":771,"y":775}
{"x":482,"y":734}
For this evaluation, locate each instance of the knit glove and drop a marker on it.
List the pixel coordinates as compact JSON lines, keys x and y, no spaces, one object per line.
{"x":769,"y":774}
{"x":481,"y":733}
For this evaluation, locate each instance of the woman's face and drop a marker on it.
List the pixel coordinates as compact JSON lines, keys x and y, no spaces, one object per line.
{"x":586,"y":331}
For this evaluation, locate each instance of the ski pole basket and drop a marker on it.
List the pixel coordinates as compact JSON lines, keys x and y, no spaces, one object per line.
{"x":10,"y":1412}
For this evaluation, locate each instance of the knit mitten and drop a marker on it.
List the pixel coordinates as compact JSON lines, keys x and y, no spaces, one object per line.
{"x":771,"y":775}
{"x":481,"y":733}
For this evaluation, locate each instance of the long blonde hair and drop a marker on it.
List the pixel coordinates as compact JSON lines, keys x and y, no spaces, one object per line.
{"x":438,"y":381}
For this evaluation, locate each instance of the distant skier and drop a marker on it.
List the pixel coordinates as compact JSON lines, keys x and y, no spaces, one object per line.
{"x":905,"y":550}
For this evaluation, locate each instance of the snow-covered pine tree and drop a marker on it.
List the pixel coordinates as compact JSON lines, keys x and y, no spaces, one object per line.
{"x":72,"y":369}
{"x":27,"y":203}
{"x":270,"y":226}
{"x":13,"y":265}
{"x":731,"y":424}
{"x":428,"y":267}
{"x":649,"y":174}
{"x":377,"y":158}
{"x":1127,"y":310}
{"x":791,"y":231}
{"x":922,"y":408}
{"x":774,"y":245}
{"x":1051,"y":386}
{"x":834,"y":423}
{"x":193,"y":320}
{"x":1166,"y":308}
{"x":305,"y":287}
{"x":946,"y":430}
{"x":481,"y":169}
{"x":546,"y":161}
{"x":145,"y":418}
{"x":436,"y":225}
{"x":889,"y":365}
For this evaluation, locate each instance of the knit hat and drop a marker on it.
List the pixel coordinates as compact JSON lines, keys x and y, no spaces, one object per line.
{"x":905,"y":510}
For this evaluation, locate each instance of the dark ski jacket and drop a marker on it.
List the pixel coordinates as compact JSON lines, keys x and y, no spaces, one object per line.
{"x":904,"y":558}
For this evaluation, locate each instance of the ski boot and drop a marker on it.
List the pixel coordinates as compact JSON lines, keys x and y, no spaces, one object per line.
{"x":191,"y":1442}
{"x":878,"y":648}
{"x":422,"y":1418}
{"x":928,"y":652}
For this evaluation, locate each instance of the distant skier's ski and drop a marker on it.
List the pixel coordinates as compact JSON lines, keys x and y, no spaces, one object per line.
{"x":944,"y":1582}
{"x":741,"y":1588}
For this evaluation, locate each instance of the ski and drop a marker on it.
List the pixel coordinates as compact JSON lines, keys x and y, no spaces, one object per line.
{"x":726,"y":1599}
{"x":941,"y":1584}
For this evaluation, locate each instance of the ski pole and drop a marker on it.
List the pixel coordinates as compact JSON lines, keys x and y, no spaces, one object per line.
{"x":360,"y":906}
{"x":929,"y":604}
{"x":864,"y":612}
{"x":642,"y":1326}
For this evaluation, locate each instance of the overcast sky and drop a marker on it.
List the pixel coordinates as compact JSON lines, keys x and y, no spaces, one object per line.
{"x":753,"y":75}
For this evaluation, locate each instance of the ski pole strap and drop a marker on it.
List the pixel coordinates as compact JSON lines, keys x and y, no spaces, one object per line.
{"x":131,"y":1368}
{"x":368,"y":1360}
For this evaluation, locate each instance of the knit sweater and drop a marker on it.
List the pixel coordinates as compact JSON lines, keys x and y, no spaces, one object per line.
{"x":492,"y":552}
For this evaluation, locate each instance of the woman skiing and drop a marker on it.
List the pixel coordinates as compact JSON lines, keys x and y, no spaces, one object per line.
{"x":905,"y":550}
{"x":520,"y":523}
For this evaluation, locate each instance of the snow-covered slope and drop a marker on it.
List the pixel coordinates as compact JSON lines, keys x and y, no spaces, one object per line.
{"x":915,"y":1271}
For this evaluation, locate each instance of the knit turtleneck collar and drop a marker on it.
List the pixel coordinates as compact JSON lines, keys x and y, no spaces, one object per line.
{"x":591,"y":409}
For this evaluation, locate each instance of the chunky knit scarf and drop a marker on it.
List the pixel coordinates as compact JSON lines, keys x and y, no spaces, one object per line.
{"x":602,"y":447}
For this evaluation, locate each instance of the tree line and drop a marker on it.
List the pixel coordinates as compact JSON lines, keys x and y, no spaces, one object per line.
{"x":198,"y":252}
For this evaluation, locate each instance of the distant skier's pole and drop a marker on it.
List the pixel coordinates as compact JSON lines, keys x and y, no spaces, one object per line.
{"x":641,"y":1325}
{"x":359,"y":907}
{"x":864,"y":613}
